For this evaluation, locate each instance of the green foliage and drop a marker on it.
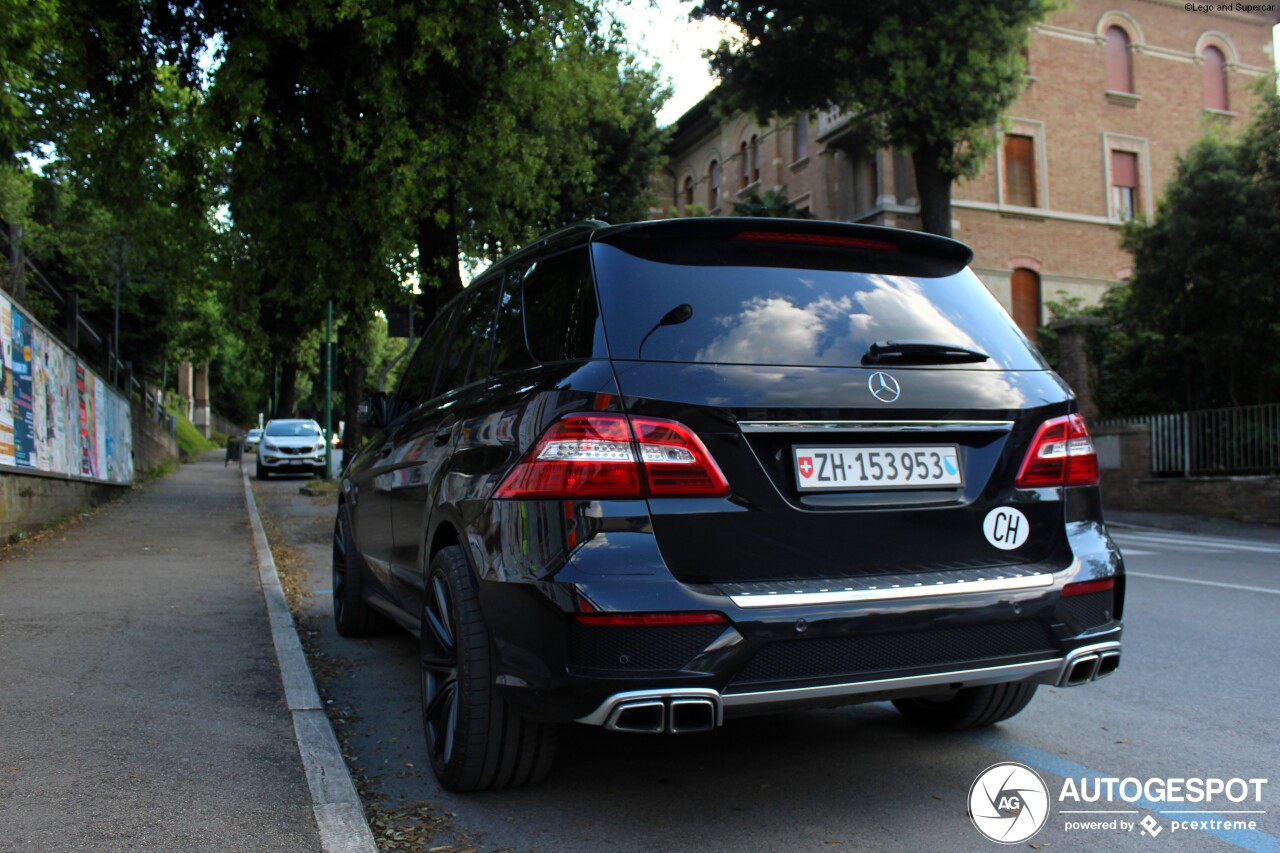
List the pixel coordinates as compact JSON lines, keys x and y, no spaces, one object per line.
{"x":1198,"y":325}
{"x":772,"y":203}
{"x":929,"y":78}
{"x":690,"y":211}
{"x":1204,"y":287}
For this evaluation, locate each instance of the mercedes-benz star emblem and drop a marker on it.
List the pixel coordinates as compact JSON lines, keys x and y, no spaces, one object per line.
{"x":884,"y":387}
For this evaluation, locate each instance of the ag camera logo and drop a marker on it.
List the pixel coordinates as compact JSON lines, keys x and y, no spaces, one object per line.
{"x":1009,"y":803}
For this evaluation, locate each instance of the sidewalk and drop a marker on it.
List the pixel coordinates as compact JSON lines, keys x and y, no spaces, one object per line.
{"x":141,"y":705}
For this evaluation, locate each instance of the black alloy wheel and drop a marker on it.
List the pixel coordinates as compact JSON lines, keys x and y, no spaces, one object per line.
{"x":476,"y":741}
{"x":352,"y":615}
{"x":439,"y":670}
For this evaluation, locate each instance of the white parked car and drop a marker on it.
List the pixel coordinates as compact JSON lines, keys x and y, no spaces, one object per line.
{"x":252,"y":440}
{"x":291,"y":447}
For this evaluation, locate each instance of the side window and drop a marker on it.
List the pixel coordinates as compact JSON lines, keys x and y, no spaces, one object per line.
{"x":419,"y":377}
{"x":561,"y":315}
{"x":509,"y":350}
{"x":469,"y":346}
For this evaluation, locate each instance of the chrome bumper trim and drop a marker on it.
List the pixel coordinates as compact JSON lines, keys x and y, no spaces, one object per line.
{"x":963,"y":678}
{"x":874,"y":426}
{"x":893,"y":591}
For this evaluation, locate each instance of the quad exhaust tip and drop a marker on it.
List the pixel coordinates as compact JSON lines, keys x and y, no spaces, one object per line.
{"x":1089,"y":664}
{"x":670,"y":714}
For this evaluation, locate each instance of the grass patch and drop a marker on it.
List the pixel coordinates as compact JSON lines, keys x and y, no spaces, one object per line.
{"x":323,"y":485}
{"x":155,"y":472}
{"x":191,"y":444}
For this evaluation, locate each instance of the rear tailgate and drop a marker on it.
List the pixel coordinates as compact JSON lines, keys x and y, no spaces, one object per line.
{"x":837,"y":468}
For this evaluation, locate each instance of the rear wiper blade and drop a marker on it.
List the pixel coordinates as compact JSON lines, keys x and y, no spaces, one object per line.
{"x":920,"y":352}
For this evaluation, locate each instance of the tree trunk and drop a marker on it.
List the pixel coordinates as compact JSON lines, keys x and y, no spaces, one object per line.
{"x":288,"y":403}
{"x":353,"y":392}
{"x":934,"y":187}
{"x":438,"y":262}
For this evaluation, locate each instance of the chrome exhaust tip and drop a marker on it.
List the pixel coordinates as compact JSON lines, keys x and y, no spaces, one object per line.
{"x":674,"y":712}
{"x":1108,"y":663}
{"x":1089,"y":664}
{"x":691,"y":715}
{"x":638,"y":717}
{"x":1083,"y":670}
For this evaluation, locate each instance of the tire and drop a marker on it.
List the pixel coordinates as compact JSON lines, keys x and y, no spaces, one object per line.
{"x":968,"y":708}
{"x":352,"y":615}
{"x":261,"y":472}
{"x":476,"y":741}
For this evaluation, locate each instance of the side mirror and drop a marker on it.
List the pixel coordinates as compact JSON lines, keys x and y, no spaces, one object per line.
{"x":372,"y":411}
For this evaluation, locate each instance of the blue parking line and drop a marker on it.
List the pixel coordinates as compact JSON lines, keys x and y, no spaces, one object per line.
{"x":1248,"y":839}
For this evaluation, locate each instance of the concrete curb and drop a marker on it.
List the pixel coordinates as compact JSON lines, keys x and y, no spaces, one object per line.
{"x":334,"y":800}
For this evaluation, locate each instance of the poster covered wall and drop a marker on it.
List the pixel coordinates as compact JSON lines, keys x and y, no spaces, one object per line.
{"x":56,"y":415}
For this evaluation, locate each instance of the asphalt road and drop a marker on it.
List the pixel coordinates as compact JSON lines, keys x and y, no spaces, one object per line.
{"x":1195,"y":696}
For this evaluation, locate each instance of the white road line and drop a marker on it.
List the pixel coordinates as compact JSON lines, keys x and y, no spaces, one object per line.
{"x":334,"y":799}
{"x":1134,"y":552}
{"x":1196,"y":541}
{"x":1235,"y":586}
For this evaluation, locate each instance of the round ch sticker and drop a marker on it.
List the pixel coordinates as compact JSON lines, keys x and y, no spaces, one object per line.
{"x":1006,"y":528}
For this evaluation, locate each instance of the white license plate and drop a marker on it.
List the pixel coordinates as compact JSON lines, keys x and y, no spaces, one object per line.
{"x":893,"y":467}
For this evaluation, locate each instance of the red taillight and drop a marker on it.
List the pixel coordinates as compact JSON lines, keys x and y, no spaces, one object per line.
{"x":594,"y":456}
{"x":1061,"y":454}
{"x":1086,"y":587}
{"x":618,"y":620}
{"x":817,"y":240}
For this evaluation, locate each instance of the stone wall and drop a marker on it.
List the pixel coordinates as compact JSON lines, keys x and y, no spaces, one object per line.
{"x":153,"y":445}
{"x":29,"y":501}
{"x":1124,"y":457}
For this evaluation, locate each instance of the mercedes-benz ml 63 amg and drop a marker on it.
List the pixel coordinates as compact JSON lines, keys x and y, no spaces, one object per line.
{"x":653,"y":476}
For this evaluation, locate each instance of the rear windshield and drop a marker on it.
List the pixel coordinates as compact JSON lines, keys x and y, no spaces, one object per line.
{"x":787,"y":316}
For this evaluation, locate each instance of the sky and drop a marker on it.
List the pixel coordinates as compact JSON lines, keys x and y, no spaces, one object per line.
{"x":660,"y":31}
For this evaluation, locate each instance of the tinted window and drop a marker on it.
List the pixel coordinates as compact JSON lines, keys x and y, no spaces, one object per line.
{"x":561,"y":316}
{"x":469,"y":345}
{"x":420,"y":376}
{"x":509,"y":349}
{"x":790,"y":316}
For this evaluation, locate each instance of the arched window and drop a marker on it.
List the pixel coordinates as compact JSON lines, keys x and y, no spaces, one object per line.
{"x":713,"y":185}
{"x":800,"y":138}
{"x":1119,"y":61}
{"x":755,"y":158}
{"x":1025,"y":297}
{"x":1215,"y":79}
{"x":688,"y":191}
{"x":746,"y":164}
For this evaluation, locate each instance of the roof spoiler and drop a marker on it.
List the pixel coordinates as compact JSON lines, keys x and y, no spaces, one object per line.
{"x":758,"y":239}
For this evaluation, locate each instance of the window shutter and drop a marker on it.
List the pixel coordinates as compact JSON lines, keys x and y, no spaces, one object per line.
{"x":1124,"y":169}
{"x":1020,"y":170}
{"x":1119,"y":71}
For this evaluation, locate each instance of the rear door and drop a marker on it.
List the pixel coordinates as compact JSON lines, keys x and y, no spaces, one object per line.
{"x":424,"y":443}
{"x":848,"y":453}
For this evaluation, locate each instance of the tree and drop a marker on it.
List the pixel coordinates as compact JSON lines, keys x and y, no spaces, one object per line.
{"x":929,"y":78}
{"x":1204,"y":277}
{"x":770,"y":203}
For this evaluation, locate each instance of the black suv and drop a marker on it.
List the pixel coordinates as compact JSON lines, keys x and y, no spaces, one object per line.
{"x":653,"y":476}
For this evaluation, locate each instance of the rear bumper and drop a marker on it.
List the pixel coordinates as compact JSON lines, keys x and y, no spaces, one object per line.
{"x":801,"y":656}
{"x":807,"y":644}
{"x":671,"y":710}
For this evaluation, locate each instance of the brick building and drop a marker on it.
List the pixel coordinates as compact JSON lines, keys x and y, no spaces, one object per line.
{"x":1117,"y":89}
